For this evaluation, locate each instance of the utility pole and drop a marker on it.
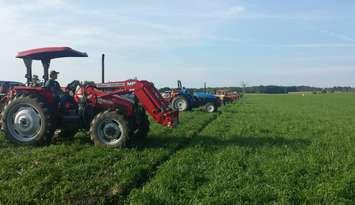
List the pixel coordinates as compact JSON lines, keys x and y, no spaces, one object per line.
{"x":103,"y":68}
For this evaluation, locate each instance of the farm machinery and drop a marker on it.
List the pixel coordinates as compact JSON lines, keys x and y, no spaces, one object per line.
{"x":114,"y":112}
{"x":227,"y":97}
{"x":183,"y":99}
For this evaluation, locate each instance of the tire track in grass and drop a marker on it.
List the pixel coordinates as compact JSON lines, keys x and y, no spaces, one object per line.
{"x":167,"y":146}
{"x":148,"y":174}
{"x":187,"y":142}
{"x":183,"y":144}
{"x":192,"y":144}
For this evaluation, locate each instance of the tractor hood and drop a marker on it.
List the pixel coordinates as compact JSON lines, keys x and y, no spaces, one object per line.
{"x":204,"y":95}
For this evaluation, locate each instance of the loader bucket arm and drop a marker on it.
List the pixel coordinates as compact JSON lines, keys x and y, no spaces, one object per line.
{"x":148,"y":96}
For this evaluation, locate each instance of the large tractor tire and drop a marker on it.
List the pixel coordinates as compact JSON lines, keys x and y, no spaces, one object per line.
{"x":211,"y":107}
{"x":109,"y":129}
{"x":27,"y":120}
{"x":180,"y":104}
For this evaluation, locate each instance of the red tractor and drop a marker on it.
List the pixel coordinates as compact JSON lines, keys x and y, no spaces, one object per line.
{"x":113,"y":112}
{"x":226,"y":96}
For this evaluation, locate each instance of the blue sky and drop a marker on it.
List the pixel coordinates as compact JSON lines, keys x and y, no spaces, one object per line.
{"x":220,"y":42}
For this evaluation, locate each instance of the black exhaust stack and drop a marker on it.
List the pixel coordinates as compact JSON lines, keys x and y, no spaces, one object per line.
{"x":103,"y":68}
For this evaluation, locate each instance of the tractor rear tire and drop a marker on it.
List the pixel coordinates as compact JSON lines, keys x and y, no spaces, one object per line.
{"x":109,"y":129}
{"x":28,"y":120}
{"x":180,"y":104}
{"x":210,"y":107}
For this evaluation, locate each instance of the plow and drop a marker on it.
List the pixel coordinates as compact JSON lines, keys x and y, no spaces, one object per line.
{"x":114,"y":113}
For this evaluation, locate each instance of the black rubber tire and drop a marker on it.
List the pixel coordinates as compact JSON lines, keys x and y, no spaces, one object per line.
{"x":210,"y":107}
{"x":142,"y":128}
{"x":47,"y":128}
{"x":109,"y":116}
{"x":175,"y":105}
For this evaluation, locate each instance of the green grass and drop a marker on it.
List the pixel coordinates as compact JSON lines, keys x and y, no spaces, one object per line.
{"x":283,"y":149}
{"x":78,"y":172}
{"x":269,"y":149}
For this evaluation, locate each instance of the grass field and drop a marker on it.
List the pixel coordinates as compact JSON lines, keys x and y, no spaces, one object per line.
{"x":283,"y":149}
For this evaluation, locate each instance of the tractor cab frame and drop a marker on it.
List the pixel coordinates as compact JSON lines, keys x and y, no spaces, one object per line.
{"x":45,"y":55}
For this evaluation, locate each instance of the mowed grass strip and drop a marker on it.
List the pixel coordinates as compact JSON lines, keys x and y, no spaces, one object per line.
{"x":284,"y":149}
{"x":74,"y":171}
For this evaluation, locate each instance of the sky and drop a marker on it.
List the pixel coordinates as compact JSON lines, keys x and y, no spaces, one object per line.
{"x":221,"y":42}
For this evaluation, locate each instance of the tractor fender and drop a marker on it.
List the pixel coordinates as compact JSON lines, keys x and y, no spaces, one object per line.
{"x":38,"y":91}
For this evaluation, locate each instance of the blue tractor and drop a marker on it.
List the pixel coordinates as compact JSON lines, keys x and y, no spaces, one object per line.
{"x":183,"y":99}
{"x":209,"y":101}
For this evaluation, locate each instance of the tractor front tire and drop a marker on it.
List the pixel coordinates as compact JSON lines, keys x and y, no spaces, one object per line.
{"x":210,"y":107}
{"x":109,"y":129}
{"x":180,"y":104}
{"x":27,"y":120}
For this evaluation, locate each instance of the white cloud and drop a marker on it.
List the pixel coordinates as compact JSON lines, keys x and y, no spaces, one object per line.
{"x":306,"y":45}
{"x":125,"y":30}
{"x":33,"y":5}
{"x":340,"y":36}
{"x":235,"y":11}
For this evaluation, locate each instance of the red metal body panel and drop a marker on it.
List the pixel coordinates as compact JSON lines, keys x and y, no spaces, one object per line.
{"x":104,"y":100}
{"x":46,"y":94}
{"x":148,"y":96}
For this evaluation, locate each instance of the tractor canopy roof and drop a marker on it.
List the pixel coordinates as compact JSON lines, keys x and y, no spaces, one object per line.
{"x":49,"y":53}
{"x":45,"y":55}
